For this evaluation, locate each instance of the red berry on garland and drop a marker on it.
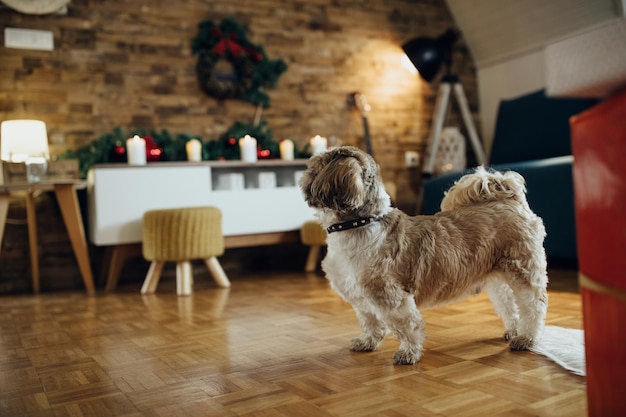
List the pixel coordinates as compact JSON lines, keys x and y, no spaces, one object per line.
{"x":153,"y":151}
{"x":118,"y":153}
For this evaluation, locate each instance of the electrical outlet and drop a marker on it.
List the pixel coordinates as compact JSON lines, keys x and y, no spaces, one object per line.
{"x":411,"y":159}
{"x":28,"y":39}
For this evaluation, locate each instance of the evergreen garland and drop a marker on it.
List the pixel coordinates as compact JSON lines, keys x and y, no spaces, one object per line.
{"x":226,"y":147}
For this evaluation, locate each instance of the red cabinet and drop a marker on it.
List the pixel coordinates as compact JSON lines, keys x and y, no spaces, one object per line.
{"x":599,"y":148}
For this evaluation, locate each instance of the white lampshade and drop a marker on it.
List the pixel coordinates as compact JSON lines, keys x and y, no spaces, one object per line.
{"x":21,"y":139}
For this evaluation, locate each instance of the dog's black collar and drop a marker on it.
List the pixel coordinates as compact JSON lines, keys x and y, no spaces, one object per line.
{"x":353,"y":224}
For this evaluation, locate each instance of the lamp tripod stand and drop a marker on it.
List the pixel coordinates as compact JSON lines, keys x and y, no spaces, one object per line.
{"x":448,"y":84}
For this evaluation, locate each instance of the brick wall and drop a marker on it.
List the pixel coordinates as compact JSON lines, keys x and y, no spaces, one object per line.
{"x":130,"y":64}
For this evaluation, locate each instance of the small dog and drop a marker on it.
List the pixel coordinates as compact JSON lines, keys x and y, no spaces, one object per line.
{"x":388,"y":264}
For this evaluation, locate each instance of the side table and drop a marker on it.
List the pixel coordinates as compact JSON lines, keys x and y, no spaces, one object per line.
{"x":65,"y":192}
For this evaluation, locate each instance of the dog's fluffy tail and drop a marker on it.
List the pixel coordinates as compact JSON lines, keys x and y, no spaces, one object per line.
{"x":482,"y":186}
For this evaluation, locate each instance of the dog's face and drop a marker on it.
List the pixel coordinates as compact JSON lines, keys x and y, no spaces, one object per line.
{"x":346,"y":181}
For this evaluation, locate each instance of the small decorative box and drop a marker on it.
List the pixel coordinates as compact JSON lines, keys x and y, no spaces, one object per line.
{"x":231,"y":181}
{"x":13,"y":172}
{"x":63,"y":169}
{"x":267,"y":180}
{"x":297,"y":176}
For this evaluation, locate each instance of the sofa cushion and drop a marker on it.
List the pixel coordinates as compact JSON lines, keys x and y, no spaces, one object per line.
{"x":534,"y":126}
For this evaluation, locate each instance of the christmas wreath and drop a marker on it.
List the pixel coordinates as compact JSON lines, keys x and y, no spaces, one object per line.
{"x":230,"y":66}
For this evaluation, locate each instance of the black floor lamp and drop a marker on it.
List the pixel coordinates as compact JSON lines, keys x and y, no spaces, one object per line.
{"x":427,"y":55}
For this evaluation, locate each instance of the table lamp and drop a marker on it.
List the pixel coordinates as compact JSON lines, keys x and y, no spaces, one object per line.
{"x":25,"y":141}
{"x":21,"y":139}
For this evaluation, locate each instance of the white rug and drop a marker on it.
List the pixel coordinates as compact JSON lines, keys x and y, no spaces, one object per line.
{"x":565,"y":347}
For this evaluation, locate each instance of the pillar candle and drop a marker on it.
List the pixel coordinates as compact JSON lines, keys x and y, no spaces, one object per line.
{"x":194,"y":150}
{"x":136,"y":150}
{"x":286,"y":149}
{"x":318,"y":144}
{"x":247,"y":148}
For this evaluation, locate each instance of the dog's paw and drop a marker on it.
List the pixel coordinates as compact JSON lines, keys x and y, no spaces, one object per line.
{"x":509,"y":334}
{"x":364,"y":344}
{"x":406,"y":357}
{"x":521,"y":343}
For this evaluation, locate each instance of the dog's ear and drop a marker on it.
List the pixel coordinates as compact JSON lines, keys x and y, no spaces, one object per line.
{"x":314,"y":165}
{"x":334,"y":180}
{"x":340,"y":185}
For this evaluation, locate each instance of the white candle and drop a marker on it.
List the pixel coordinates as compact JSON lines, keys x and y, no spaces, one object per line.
{"x":194,"y":150}
{"x":286,"y":150}
{"x":136,"y":150}
{"x":318,"y":144}
{"x":247,"y":148}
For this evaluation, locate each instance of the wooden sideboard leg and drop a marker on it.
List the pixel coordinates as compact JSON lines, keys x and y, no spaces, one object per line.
{"x":116,"y":263}
{"x":119,"y":254}
{"x":32,"y":240}
{"x":217,"y":272}
{"x":4,"y":210}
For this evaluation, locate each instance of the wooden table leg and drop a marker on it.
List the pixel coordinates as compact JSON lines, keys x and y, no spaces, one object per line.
{"x":32,"y":240}
{"x":70,"y":210}
{"x":4,"y":210}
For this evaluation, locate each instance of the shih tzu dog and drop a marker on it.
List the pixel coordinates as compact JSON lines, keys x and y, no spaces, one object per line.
{"x":388,"y":264}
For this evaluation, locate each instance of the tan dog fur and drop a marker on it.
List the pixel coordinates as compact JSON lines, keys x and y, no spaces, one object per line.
{"x":485,"y":237}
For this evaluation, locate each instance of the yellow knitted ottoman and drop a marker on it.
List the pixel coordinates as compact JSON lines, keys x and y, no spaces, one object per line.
{"x":181,"y":235}
{"x":313,"y":235}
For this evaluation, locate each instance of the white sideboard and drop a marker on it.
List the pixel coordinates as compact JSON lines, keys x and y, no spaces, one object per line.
{"x":255,"y":198}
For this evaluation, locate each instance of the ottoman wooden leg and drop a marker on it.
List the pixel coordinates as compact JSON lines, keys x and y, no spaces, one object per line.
{"x":217,"y":272}
{"x":152,"y":277}
{"x":311,"y":260}
{"x":184,"y":278}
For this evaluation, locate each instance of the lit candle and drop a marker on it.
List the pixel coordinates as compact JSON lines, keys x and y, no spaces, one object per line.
{"x":286,"y":149}
{"x":194,"y":150}
{"x":136,"y":150}
{"x":318,"y":144}
{"x":247,"y":148}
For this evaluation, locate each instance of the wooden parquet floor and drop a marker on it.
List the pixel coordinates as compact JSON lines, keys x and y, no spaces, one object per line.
{"x":272,"y":345}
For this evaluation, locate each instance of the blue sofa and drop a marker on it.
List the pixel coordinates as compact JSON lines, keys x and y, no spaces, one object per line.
{"x":532,"y":137}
